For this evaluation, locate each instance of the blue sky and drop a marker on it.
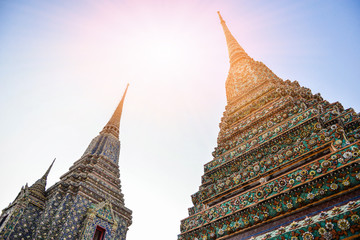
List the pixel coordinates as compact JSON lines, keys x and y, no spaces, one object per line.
{"x":64,"y":66}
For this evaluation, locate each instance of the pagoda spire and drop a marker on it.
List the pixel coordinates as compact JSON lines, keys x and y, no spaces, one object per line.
{"x":236,"y":52}
{"x":113,"y":125}
{"x":37,"y":190}
{"x":244,"y":73}
{"x":40,"y":184}
{"x":48,"y":171}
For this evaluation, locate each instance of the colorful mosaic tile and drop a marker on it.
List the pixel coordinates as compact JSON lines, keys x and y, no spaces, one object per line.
{"x":87,"y":196}
{"x":280,"y":151}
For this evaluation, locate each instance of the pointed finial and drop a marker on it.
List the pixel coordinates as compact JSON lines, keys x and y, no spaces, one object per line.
{"x":113,"y":125}
{"x":37,"y":190}
{"x":48,"y":171}
{"x":236,"y":52}
{"x":221,"y":19}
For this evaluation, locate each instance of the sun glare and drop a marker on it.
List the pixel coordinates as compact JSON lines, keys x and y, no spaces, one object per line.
{"x":164,"y":51}
{"x":160,"y":49}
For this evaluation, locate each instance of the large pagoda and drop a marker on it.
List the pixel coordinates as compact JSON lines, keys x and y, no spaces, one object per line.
{"x":286,"y":165}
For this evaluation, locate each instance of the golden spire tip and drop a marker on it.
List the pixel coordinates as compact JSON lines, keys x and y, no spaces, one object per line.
{"x":221,"y":19}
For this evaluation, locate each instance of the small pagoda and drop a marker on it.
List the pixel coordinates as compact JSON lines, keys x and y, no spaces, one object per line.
{"x":87,"y":202}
